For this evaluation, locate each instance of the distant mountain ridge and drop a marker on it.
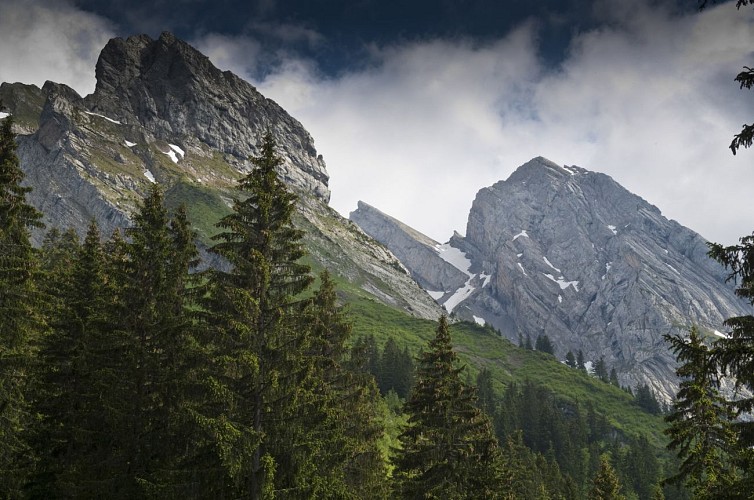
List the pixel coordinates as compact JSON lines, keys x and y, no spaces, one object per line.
{"x":571,"y":254}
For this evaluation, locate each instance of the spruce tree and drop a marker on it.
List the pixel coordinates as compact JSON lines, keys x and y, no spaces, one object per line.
{"x":20,"y":323}
{"x":700,"y":421}
{"x":600,"y":370}
{"x":580,"y":364}
{"x":485,"y":392}
{"x":157,"y":327}
{"x":570,"y":360}
{"x":72,"y":441}
{"x":605,"y":485}
{"x":344,"y":451}
{"x":448,"y":449}
{"x":260,"y":346}
{"x":614,"y":378}
{"x":544,"y":344}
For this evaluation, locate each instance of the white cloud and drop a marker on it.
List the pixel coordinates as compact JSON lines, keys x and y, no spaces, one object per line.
{"x":648,"y":98}
{"x":230,"y":53}
{"x":50,"y":40}
{"x":650,"y":101}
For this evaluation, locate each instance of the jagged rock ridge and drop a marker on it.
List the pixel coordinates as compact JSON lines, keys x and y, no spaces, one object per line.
{"x":575,"y":256}
{"x":162,"y":113}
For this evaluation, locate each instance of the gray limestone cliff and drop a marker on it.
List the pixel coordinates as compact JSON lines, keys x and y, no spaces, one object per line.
{"x":571,"y":254}
{"x":417,"y":252}
{"x":162,"y":114}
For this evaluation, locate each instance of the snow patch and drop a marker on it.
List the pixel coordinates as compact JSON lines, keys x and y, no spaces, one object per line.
{"x":523,"y":233}
{"x":435,"y":295}
{"x":486,"y":278}
{"x":172,"y":156}
{"x":148,"y":174}
{"x":612,"y":228}
{"x":673,"y":268}
{"x":3,"y":114}
{"x":563,"y":283}
{"x":130,"y":144}
{"x":607,"y":269}
{"x":178,"y":150}
{"x":720,"y":334}
{"x":522,"y":269}
{"x":454,"y":257}
{"x":560,"y":299}
{"x":519,"y":255}
{"x":550,"y":264}
{"x":479,"y":321}
{"x":459,"y":296}
{"x":589,"y":367}
{"x":175,"y":153}
{"x":103,"y":116}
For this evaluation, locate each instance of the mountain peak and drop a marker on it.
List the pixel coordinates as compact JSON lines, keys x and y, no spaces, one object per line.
{"x":541,"y":168}
{"x":174,"y":92}
{"x":571,"y":254}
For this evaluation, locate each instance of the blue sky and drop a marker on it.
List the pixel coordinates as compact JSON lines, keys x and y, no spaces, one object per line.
{"x":416,"y":105}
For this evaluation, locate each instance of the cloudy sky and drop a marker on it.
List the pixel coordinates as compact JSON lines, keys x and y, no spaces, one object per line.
{"x":416,"y":105}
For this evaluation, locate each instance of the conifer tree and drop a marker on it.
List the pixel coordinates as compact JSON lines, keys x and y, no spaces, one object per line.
{"x":570,"y":359}
{"x":72,"y":441}
{"x":345,"y":454}
{"x":155,"y":323}
{"x":254,"y":317}
{"x":605,"y":485}
{"x":449,"y":450}
{"x":19,"y":321}
{"x":600,"y":370}
{"x":580,"y":364}
{"x":485,"y":392}
{"x":614,"y":378}
{"x":544,"y":344}
{"x":700,"y":421}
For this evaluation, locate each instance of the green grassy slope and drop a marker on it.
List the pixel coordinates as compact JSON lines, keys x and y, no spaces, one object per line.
{"x":481,"y":347}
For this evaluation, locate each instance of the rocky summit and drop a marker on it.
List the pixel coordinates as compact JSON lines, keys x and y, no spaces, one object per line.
{"x":162,"y":113}
{"x":571,"y":254}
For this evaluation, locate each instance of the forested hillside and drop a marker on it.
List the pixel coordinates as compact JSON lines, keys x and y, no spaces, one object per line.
{"x":123,"y":374}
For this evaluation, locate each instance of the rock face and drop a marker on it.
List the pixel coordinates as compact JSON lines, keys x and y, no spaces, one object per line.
{"x":574,"y":256}
{"x":417,"y":252}
{"x":173,"y":92}
{"x":162,"y":113}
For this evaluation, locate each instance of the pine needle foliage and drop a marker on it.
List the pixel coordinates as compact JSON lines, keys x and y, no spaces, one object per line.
{"x":700,"y":422}
{"x":254,"y":315}
{"x":449,"y":449}
{"x":20,"y":323}
{"x":605,"y":485}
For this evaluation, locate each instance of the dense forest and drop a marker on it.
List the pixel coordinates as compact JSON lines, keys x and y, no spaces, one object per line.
{"x":125,"y":374}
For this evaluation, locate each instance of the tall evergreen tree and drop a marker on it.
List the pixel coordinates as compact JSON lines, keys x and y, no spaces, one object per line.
{"x":71,"y":440}
{"x":700,"y":421}
{"x":19,"y":321}
{"x":346,"y":456}
{"x":254,"y":316}
{"x":449,"y":450}
{"x":734,"y":355}
{"x":157,"y":326}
